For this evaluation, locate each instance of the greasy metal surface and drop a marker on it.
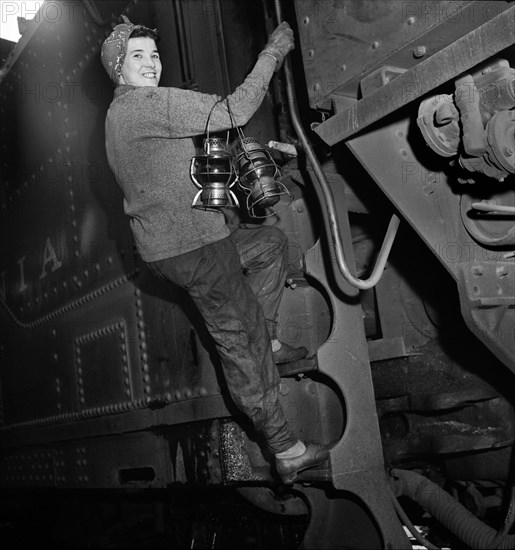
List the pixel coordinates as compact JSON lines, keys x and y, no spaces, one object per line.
{"x":490,"y":229}
{"x":54,"y":176}
{"x":379,"y":530}
{"x":475,"y":123}
{"x":237,"y":464}
{"x":71,"y":247}
{"x":313,"y":408}
{"x":493,"y":464}
{"x":345,"y":41}
{"x":356,"y":460}
{"x":427,"y":199}
{"x":143,"y":459}
{"x":463,"y":54}
{"x":487,"y":296}
{"x":94,"y":463}
{"x":478,"y":425}
{"x":91,"y":423}
{"x":440,"y":400}
{"x":416,"y":187}
{"x":355,"y":37}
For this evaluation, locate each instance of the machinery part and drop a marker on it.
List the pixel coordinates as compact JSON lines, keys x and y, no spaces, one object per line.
{"x":496,"y":85}
{"x":411,"y":433}
{"x":412,"y":529}
{"x":265,"y":498}
{"x":337,"y":517}
{"x":490,"y":221}
{"x":467,"y":101}
{"x":326,"y":191}
{"x":487,"y":298}
{"x":429,"y":208}
{"x":481,"y":118}
{"x":448,"y":511}
{"x":481,"y":43}
{"x":489,"y":207}
{"x":438,"y":122}
{"x":509,"y":520}
{"x":495,"y":159}
{"x":501,"y":138}
{"x":286,"y":148}
{"x":490,"y":465}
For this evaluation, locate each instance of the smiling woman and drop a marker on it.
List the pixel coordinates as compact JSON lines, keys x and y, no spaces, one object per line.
{"x":142,"y":66}
{"x":10,"y":10}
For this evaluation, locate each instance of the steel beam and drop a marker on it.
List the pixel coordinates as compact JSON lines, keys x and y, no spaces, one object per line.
{"x":460,"y":56}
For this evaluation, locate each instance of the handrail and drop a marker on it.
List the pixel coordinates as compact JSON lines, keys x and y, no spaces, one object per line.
{"x":362,"y":284}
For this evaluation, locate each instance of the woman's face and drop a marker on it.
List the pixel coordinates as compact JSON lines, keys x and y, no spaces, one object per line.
{"x":141,"y":66}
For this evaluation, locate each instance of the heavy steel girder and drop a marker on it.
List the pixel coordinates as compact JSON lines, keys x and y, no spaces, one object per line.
{"x":481,"y":43}
{"x":356,"y":460}
{"x":485,"y":278}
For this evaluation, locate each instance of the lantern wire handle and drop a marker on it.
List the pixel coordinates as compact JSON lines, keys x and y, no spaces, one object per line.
{"x":233,"y":123}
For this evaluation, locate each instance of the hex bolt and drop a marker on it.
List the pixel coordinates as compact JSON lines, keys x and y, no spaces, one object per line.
{"x":419,"y":51}
{"x":290,"y":283}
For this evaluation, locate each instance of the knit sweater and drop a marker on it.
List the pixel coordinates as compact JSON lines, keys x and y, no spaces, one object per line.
{"x":149,"y":145}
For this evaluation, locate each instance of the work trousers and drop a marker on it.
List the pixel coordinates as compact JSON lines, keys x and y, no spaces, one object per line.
{"x":237,"y":284}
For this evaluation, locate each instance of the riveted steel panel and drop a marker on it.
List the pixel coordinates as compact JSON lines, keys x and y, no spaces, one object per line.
{"x":94,"y":351}
{"x":31,"y":467}
{"x":142,"y":459}
{"x":70,"y":238}
{"x":343,"y":41}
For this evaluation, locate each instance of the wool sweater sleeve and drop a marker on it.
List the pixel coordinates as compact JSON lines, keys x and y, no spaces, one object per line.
{"x":177,"y":113}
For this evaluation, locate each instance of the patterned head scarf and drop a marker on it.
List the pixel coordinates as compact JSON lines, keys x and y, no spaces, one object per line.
{"x":114,"y":48}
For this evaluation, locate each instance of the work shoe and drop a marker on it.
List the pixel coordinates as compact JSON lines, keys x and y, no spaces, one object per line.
{"x":287,"y":354}
{"x":314,"y":455}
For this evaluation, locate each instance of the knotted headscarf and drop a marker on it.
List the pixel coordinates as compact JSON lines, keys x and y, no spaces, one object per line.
{"x":114,"y":48}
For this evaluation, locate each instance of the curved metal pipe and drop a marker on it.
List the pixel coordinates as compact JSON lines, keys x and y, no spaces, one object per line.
{"x":362,"y":284}
{"x":501,"y":208}
{"x":448,"y":511}
{"x":411,"y":528}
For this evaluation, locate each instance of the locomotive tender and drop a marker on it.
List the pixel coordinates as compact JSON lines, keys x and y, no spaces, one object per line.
{"x":391,"y":110}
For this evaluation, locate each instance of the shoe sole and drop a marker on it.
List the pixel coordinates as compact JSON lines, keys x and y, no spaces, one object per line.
{"x":288,"y":479}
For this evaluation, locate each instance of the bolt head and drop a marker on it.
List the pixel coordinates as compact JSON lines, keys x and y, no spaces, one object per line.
{"x":419,"y":51}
